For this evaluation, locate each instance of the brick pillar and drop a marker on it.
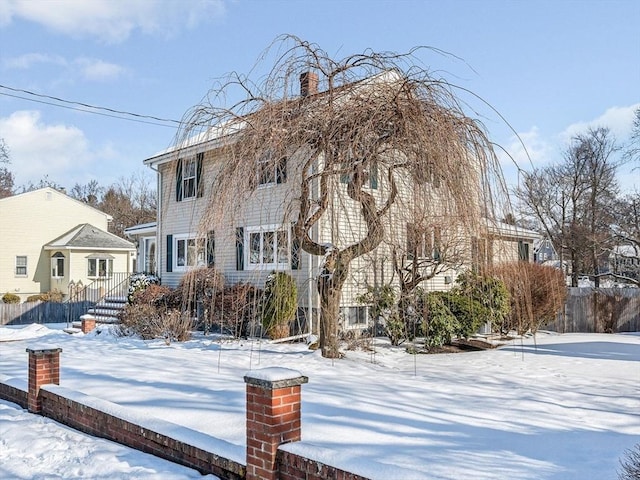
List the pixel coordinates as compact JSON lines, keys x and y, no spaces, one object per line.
{"x":88,"y":323}
{"x":44,"y":368}
{"x":273,"y":417}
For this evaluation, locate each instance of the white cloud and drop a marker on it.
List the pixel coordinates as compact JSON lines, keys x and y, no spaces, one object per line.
{"x":112,"y":21}
{"x":527,"y":149}
{"x":617,"y":119}
{"x":38,"y":149}
{"x":99,"y":70}
{"x":28,"y":60}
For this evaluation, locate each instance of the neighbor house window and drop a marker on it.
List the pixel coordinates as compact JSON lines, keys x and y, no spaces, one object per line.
{"x":189,"y":177}
{"x":523,"y":250}
{"x":99,"y":267}
{"x":21,"y":265}
{"x":57,"y":265}
{"x":269,"y":247}
{"x":272,"y":171}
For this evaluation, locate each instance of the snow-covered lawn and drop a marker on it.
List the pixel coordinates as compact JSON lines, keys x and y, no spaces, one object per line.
{"x":566,"y":409}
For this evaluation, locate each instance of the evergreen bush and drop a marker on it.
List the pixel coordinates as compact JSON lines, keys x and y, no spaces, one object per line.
{"x":279,"y":304}
{"x":440,"y":324}
{"x":10,"y":298}
{"x":469,"y":313}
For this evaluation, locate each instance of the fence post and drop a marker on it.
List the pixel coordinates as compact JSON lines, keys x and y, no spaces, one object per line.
{"x":44,"y":368}
{"x":273,"y":417}
{"x":88,"y":322}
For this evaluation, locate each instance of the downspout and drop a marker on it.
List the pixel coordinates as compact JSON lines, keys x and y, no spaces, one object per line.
{"x":156,"y":260}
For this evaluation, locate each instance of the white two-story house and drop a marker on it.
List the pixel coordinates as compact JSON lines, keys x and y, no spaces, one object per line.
{"x":249,"y":238}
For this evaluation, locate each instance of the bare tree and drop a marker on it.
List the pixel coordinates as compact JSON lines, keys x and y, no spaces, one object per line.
{"x":131,"y":201}
{"x":573,"y":201}
{"x":90,"y":193}
{"x":366,"y":136}
{"x":6,"y":176}
{"x":633,"y":149}
{"x":625,"y":252}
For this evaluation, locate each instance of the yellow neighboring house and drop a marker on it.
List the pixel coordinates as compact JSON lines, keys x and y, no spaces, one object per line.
{"x":49,"y":240}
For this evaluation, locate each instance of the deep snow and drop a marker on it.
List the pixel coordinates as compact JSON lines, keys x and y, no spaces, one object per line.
{"x":566,"y":408}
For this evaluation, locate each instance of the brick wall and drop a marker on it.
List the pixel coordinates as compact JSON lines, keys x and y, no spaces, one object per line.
{"x":102,"y":424}
{"x":294,"y":467}
{"x":273,"y":420}
{"x":11,"y":392}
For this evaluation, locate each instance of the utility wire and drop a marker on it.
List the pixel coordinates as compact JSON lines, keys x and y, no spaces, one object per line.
{"x":85,"y":107}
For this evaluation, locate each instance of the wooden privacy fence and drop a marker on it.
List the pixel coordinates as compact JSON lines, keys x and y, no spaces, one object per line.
{"x":42,"y":312}
{"x":600,"y":310}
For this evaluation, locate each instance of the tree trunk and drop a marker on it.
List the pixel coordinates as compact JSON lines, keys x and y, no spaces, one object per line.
{"x":330,"y":290}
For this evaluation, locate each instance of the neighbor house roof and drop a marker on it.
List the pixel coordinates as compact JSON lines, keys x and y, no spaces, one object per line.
{"x":52,"y":191}
{"x":141,"y":229}
{"x":88,"y":237}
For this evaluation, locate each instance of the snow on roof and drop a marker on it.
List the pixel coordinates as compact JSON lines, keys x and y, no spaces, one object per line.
{"x":86,"y":236}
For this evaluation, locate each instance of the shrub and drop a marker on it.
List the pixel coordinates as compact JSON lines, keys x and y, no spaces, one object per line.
{"x":40,"y":297}
{"x":152,"y":295}
{"x":54,"y":296}
{"x":279,"y":304}
{"x":138,"y":282}
{"x":234,"y":308}
{"x":630,"y":464}
{"x":150,"y":322}
{"x":538,"y":294}
{"x":10,"y":298}
{"x":490,"y":292}
{"x":440,"y":324}
{"x":469,"y":313}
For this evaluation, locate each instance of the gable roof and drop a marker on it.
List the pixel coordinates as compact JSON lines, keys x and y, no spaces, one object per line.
{"x":217,"y":135}
{"x":52,"y":191}
{"x":87,"y":237}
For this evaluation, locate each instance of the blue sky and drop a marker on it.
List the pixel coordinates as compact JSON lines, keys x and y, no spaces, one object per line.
{"x":550,"y":68}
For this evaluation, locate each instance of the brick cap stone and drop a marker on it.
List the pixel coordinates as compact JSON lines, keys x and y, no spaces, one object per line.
{"x":87,"y":316}
{"x":43,"y":350}
{"x":275,"y":377}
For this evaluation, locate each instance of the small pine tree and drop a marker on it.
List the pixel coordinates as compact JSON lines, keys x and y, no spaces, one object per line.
{"x":279,"y":304}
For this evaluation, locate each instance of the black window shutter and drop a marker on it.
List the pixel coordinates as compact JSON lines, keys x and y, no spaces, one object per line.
{"x":169,"y":253}
{"x":239,"y":248}
{"x":211,"y":246}
{"x":179,"y":180}
{"x":199,"y":182}
{"x":373,"y":176}
{"x":295,"y":254}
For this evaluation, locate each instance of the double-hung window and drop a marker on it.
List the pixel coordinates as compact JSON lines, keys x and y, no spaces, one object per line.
{"x":271,"y":170}
{"x":57,"y":265}
{"x":269,"y":247}
{"x":21,"y":265}
{"x":423,"y":243}
{"x":189,"y":252}
{"x":189,"y":178}
{"x":99,"y":267}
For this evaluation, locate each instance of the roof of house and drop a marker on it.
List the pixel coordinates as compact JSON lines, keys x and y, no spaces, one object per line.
{"x":217,"y":135}
{"x":52,"y":191}
{"x":141,"y":228}
{"x":505,"y":229}
{"x":87,"y":237}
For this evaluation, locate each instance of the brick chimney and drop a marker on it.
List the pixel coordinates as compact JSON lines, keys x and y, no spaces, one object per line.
{"x":308,"y":84}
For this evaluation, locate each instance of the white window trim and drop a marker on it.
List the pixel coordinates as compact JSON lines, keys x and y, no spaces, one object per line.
{"x":273,"y":170}
{"x":97,"y":258}
{"x":185,"y":179}
{"x":280,"y":266}
{"x":54,"y":267}
{"x":26,"y":266}
{"x":186,"y":237}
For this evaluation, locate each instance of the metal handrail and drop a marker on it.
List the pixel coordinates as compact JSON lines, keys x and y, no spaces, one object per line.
{"x":115,"y":284}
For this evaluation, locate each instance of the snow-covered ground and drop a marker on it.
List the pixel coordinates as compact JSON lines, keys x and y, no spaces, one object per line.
{"x":566,"y":408}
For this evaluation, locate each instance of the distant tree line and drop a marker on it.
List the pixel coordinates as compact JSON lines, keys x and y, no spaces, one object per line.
{"x":578,"y":205}
{"x":130,"y":201}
